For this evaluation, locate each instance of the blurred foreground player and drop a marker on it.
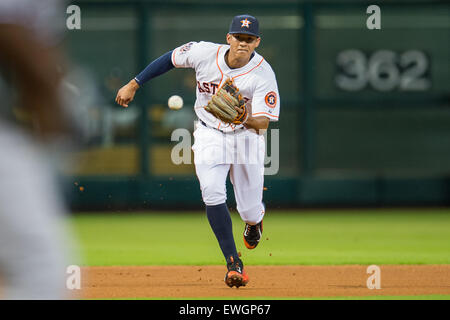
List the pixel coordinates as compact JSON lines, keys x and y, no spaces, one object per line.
{"x":33,"y":242}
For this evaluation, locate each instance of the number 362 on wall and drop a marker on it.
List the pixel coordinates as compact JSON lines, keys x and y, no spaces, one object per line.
{"x":383,"y":70}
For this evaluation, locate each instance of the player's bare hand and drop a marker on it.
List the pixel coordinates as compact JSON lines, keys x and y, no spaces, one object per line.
{"x":126,"y":94}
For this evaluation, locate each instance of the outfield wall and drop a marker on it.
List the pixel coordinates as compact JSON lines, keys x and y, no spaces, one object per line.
{"x":365,"y":114}
{"x":184,"y":193}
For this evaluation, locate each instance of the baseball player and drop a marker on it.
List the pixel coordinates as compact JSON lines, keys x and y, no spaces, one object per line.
{"x":33,"y":251}
{"x":237,"y":97}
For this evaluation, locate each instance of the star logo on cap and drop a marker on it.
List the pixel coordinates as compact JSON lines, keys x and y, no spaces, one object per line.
{"x":245,"y":23}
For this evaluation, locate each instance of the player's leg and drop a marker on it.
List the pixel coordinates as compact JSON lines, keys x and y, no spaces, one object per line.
{"x":248,"y":184}
{"x":212,"y":170}
{"x":247,"y":177}
{"x":212,"y":184}
{"x":32,"y":260}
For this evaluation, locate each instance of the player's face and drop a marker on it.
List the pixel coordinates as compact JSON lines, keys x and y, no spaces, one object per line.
{"x":242,"y":45}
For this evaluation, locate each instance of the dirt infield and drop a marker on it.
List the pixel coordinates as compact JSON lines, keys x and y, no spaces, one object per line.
{"x":265,"y":281}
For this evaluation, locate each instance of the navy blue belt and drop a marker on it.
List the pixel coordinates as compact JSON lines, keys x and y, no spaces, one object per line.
{"x":234,"y":131}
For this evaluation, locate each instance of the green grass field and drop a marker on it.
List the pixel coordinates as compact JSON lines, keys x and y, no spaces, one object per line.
{"x":305,"y":237}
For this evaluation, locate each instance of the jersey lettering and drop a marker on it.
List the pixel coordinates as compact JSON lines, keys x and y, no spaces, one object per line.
{"x":208,"y":87}
{"x":214,"y":86}
{"x":199,"y":87}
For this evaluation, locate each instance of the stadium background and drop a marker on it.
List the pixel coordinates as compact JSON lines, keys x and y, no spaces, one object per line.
{"x":376,"y":141}
{"x":364,"y":126}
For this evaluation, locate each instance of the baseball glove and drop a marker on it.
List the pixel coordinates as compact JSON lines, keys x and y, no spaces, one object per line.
{"x":228,"y":105}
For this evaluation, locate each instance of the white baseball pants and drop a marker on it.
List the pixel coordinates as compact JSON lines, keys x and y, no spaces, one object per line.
{"x":240,"y":153}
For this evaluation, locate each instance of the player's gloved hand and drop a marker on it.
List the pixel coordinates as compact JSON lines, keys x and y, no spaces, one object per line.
{"x":228,"y":105}
{"x":126,"y":93}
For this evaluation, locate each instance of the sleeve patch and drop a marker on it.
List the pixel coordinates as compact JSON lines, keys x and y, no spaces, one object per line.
{"x":271,"y":99}
{"x":186,"y":47}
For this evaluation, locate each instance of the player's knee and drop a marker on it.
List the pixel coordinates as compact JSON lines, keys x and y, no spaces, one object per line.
{"x":212,"y":195}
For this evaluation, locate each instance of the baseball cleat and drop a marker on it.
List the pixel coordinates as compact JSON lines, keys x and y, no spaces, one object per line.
{"x":236,"y":275}
{"x":252,"y":235}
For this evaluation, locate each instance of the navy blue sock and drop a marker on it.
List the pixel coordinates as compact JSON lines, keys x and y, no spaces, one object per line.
{"x":220,"y":221}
